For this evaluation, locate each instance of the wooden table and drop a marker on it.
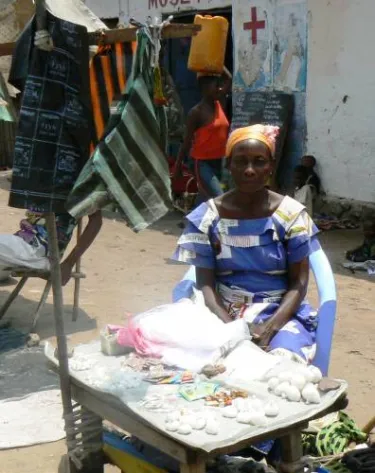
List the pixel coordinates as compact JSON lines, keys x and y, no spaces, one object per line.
{"x":107,"y":407}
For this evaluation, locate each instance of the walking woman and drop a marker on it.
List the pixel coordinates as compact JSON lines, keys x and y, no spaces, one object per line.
{"x":207,"y":129}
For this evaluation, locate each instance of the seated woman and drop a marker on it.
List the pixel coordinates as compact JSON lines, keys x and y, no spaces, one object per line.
{"x":251,"y":247}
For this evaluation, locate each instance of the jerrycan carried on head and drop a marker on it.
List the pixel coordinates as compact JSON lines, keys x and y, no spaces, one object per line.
{"x":207,"y":51}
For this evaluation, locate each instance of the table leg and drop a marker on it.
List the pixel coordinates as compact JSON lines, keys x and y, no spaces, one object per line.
{"x":94,"y":461}
{"x":86,"y":449}
{"x":292,"y":453}
{"x":197,"y":467}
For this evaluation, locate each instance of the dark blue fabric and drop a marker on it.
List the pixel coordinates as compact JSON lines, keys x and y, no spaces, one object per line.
{"x":53,"y":136}
{"x":11,"y":339}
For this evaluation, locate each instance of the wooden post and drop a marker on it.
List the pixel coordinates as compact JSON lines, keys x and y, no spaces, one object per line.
{"x":291,"y":453}
{"x":58,"y":303}
{"x":58,"y":312}
{"x":94,"y":461}
{"x":77,"y":281}
{"x":197,"y":467}
{"x":119,"y":35}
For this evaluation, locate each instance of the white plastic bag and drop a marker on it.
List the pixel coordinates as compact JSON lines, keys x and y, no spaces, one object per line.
{"x":186,"y":334}
{"x":15,"y":252}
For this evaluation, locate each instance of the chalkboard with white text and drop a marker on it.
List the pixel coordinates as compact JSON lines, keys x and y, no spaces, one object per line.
{"x":267,"y":108}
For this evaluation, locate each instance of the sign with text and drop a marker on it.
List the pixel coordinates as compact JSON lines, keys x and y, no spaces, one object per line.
{"x":172,"y":3}
{"x":141,"y":9}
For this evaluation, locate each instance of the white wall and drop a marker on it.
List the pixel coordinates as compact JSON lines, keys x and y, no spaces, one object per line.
{"x":341,"y":63}
{"x":106,"y":8}
{"x":142,"y":9}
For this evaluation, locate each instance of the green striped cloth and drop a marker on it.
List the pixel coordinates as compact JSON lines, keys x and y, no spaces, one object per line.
{"x":129,"y":167}
{"x":333,"y":440}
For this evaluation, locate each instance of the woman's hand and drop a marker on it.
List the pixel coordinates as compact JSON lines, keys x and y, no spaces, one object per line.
{"x":298,"y":274}
{"x":207,"y":284}
{"x":262,"y":335}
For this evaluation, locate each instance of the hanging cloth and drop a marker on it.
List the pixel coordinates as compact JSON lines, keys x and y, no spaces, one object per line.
{"x":53,"y":137}
{"x":129,"y":166}
{"x":175,"y":110}
{"x":109,"y":71}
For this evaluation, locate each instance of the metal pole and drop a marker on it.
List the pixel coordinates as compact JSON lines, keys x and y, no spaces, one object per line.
{"x":58,"y":311}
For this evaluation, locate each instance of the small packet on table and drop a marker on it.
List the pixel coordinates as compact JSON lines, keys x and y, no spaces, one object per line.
{"x":198,"y":391}
{"x":179,"y":378}
{"x":170,"y":377}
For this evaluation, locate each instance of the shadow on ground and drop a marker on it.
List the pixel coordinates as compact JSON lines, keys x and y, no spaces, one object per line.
{"x":171,"y":224}
{"x":20,"y":314}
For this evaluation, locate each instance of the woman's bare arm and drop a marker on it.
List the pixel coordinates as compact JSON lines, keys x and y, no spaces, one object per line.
{"x":192,"y":123}
{"x":206,"y":283}
{"x":298,"y":277}
{"x":85,"y":241}
{"x":298,"y":280}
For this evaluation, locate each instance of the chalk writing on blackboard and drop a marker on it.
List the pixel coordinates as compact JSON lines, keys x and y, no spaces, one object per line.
{"x":267,"y":108}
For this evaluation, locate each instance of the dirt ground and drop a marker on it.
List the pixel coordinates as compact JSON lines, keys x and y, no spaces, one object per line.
{"x":129,"y":273}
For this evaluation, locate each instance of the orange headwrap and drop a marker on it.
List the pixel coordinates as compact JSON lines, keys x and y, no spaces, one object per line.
{"x":266,"y":134}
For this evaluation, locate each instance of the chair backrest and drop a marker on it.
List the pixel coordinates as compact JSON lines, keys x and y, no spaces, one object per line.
{"x":325,"y":282}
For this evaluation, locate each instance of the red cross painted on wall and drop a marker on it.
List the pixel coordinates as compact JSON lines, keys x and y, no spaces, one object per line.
{"x":254,"y":25}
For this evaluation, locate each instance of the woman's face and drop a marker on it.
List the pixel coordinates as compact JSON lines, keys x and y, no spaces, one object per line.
{"x":212,"y":90}
{"x":251,"y":165}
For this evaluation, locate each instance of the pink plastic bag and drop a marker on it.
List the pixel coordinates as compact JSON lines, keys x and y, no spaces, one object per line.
{"x":185,"y":334}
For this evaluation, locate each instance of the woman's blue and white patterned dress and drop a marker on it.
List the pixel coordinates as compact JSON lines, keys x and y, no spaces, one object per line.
{"x":250,"y":258}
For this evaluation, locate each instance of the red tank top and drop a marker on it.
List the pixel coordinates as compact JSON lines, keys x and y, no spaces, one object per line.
{"x":210,"y":140}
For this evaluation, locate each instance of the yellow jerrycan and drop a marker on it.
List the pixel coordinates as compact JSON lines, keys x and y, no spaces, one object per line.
{"x":207,"y":51}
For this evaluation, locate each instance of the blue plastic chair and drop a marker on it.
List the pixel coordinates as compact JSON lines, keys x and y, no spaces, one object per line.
{"x":325,"y":282}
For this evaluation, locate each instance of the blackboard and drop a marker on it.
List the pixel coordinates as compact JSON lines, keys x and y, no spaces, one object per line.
{"x":266,"y":108}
